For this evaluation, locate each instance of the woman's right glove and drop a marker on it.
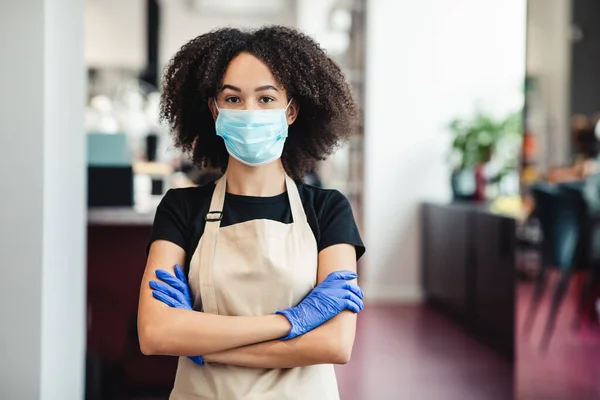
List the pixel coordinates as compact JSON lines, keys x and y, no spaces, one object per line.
{"x":174,"y":291}
{"x":324,"y":302}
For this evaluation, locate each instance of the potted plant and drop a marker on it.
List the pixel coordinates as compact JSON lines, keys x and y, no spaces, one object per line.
{"x":475,"y":143}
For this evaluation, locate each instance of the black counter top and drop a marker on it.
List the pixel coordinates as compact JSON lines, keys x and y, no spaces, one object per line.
{"x":477,"y":207}
{"x":120,"y":216}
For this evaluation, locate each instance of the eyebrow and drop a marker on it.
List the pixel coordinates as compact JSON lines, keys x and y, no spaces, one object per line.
{"x":231,"y":87}
{"x":266,"y":87}
{"x":258,"y":89}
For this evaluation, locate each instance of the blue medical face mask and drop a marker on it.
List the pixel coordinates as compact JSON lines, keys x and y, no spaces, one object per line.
{"x":253,"y":137}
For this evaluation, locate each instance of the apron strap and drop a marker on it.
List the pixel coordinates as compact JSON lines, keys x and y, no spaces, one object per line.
{"x":298,"y":214}
{"x":207,"y":256}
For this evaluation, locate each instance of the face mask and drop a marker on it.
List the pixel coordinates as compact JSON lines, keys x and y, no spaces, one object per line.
{"x":253,"y":137}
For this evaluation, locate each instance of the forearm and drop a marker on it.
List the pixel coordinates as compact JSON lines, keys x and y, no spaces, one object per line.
{"x":179,"y":332}
{"x":331,"y":343}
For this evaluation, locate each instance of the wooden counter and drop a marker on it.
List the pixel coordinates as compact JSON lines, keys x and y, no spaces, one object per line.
{"x":117,"y":240}
{"x":469,"y":269}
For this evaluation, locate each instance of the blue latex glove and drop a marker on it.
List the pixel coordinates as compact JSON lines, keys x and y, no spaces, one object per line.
{"x":324,"y":302}
{"x":175,"y":292}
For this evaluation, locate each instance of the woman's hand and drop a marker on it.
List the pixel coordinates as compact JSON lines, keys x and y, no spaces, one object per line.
{"x":332,"y":296}
{"x":175,"y":292}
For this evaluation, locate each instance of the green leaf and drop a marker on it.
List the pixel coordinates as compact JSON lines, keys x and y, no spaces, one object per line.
{"x":476,"y":139}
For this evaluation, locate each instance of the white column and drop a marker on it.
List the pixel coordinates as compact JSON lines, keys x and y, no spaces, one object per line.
{"x":42,"y":206}
{"x":549,"y":60}
{"x":428,"y":61}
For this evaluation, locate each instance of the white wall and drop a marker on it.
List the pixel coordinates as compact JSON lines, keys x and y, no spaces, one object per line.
{"x":313,"y":19}
{"x":180,"y":22}
{"x":115,"y":34}
{"x":427,"y":62}
{"x":21,"y":212}
{"x":42,"y":213}
{"x":115,"y":30}
{"x":549,"y":59}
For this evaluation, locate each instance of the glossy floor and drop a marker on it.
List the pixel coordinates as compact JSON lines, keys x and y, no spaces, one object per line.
{"x":570,"y":369}
{"x":412,"y":352}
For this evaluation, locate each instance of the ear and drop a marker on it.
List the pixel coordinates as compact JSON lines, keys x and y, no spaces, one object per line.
{"x":212,"y":106}
{"x":292,"y":112}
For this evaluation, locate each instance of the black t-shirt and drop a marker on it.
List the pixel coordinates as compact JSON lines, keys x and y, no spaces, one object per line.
{"x":180,"y":216}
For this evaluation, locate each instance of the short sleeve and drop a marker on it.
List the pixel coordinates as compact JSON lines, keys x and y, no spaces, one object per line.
{"x":170,"y":220}
{"x":337,"y":224}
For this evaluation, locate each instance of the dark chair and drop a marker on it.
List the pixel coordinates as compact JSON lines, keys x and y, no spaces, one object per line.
{"x":583,"y":256}
{"x":560,"y":216}
{"x":569,"y":214}
{"x":588,"y":194}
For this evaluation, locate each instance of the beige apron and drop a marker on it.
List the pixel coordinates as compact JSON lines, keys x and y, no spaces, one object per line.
{"x":253,"y":268}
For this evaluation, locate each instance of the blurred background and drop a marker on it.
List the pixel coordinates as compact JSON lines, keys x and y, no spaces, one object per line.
{"x":127,"y":44}
{"x":473,"y":178}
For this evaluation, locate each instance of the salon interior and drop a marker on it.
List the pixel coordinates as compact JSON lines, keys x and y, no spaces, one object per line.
{"x":473,"y":177}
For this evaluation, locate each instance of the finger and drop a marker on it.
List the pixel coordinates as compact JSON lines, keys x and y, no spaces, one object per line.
{"x":197,"y":359}
{"x":342,"y":275}
{"x":343,"y":296}
{"x":172,"y":281}
{"x":180,"y":273}
{"x":355,"y":299}
{"x":352,"y":306}
{"x":345,"y":285}
{"x":168,"y":291}
{"x":354,"y":288}
{"x":167,"y":277}
{"x":165,"y":299}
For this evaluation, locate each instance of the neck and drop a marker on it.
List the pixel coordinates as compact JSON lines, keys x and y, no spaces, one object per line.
{"x":264,"y":181}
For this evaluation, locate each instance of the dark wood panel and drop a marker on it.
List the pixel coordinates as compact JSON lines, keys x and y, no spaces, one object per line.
{"x":468,"y":269}
{"x":446,"y":254}
{"x":116,"y":262}
{"x":494,"y":296}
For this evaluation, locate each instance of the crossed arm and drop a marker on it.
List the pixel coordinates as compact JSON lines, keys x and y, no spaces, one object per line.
{"x":243,"y":341}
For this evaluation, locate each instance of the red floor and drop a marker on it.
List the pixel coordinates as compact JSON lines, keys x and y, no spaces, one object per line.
{"x":414,"y":353}
{"x":570,"y":370}
{"x":411,"y":352}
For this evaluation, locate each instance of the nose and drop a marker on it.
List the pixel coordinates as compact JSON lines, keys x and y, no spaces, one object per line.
{"x":251,"y":105}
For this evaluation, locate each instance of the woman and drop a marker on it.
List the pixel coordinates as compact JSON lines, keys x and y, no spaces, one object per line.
{"x":270,"y":262}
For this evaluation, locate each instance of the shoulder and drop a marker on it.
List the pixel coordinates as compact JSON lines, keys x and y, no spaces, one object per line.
{"x":176,"y":213}
{"x":323,"y":201}
{"x":189,"y":195}
{"x":186,"y":202}
{"x":334,"y":218}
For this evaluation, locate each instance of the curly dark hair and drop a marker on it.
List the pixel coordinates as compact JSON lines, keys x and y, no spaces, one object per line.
{"x":328,"y":110}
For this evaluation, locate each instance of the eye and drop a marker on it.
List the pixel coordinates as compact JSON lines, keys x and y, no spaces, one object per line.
{"x":232,"y":99}
{"x":266,"y":99}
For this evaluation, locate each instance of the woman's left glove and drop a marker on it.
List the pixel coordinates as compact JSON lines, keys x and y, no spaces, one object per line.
{"x":174,"y":291}
{"x":329,"y":298}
